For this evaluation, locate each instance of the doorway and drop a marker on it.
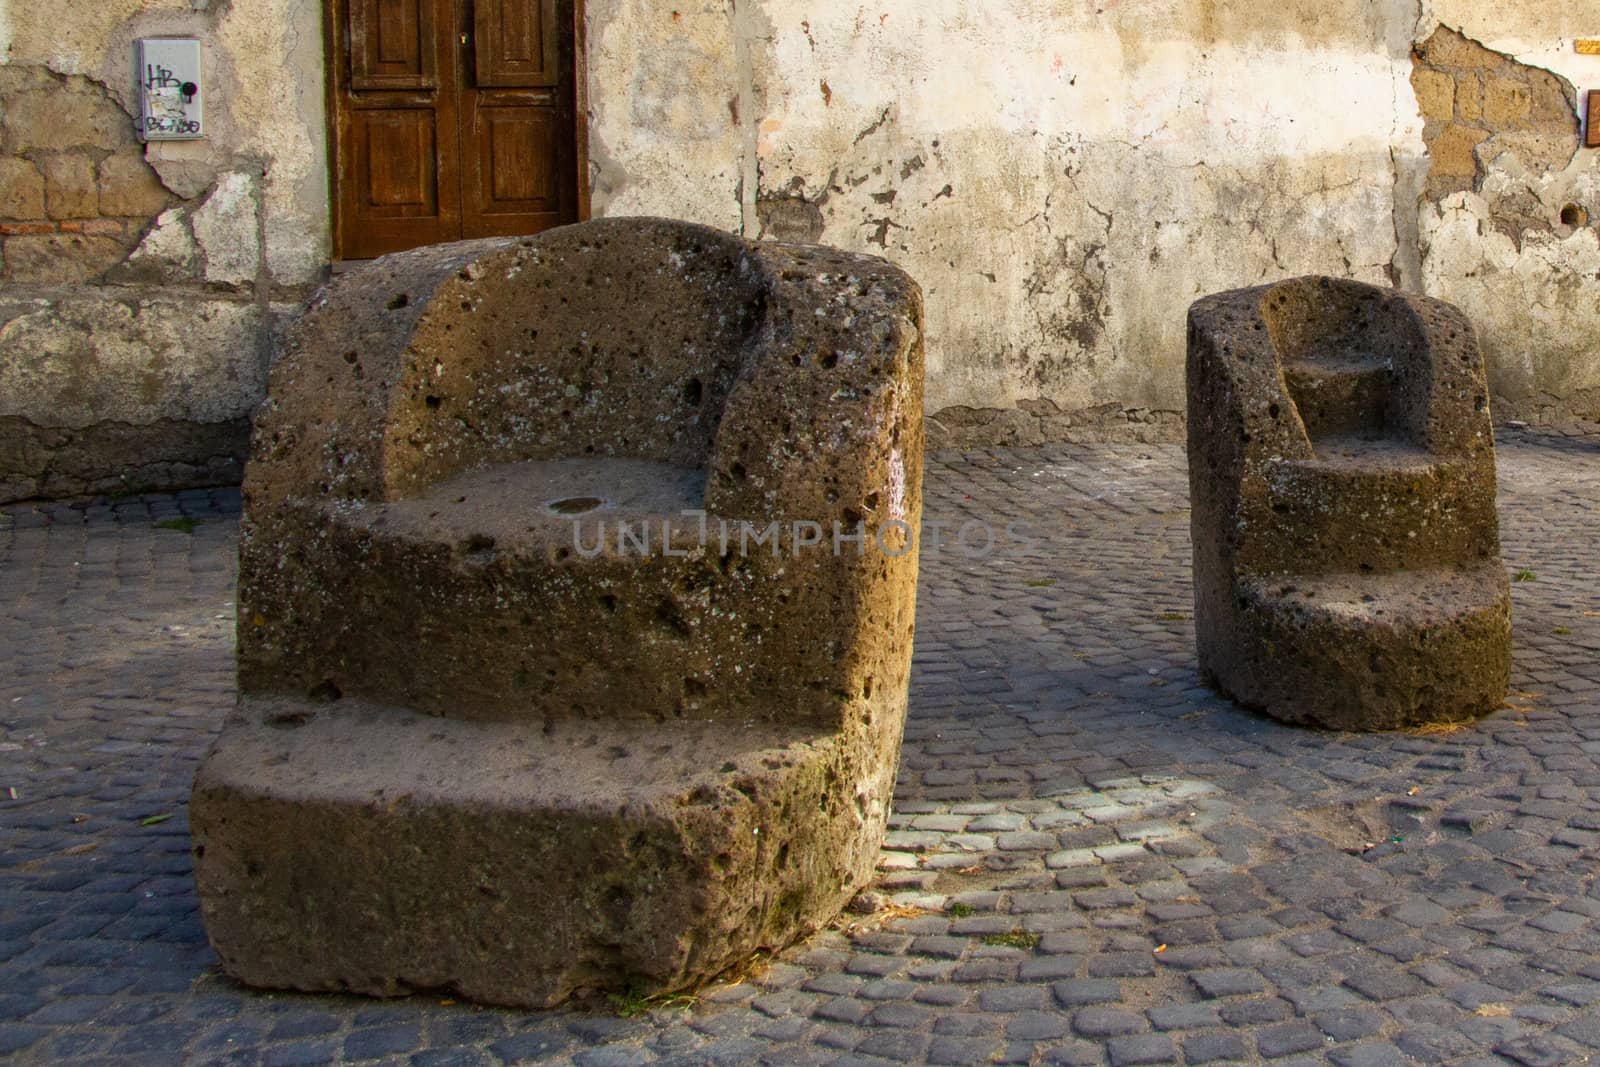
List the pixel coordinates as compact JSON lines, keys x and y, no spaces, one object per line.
{"x":451,"y":119}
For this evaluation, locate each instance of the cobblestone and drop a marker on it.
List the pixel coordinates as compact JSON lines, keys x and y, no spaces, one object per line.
{"x":1086,"y":838}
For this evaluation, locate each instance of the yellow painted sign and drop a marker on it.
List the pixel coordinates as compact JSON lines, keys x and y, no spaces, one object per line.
{"x":1589,"y":46}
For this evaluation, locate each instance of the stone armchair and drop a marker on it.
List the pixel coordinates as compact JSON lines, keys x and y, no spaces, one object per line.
{"x":1346,"y":548}
{"x":556,"y":672}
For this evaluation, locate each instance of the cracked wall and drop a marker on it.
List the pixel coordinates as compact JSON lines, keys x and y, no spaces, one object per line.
{"x":1064,"y":179}
{"x":139,"y":284}
{"x":1508,"y":205}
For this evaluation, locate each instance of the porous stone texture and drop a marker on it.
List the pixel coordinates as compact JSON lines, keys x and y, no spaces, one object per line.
{"x":487,"y":740}
{"x":1346,"y":549}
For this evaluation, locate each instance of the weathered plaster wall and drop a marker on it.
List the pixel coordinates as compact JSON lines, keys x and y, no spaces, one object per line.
{"x":1508,"y":218}
{"x":1065,"y":178}
{"x":139,"y":284}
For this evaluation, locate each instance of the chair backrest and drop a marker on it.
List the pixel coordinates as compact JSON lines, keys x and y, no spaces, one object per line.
{"x":1355,"y":357}
{"x":619,"y":338}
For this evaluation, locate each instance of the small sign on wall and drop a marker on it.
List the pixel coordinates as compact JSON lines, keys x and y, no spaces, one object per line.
{"x":171,"y":100}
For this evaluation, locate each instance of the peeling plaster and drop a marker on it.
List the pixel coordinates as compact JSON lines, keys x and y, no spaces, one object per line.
{"x":1063,"y":181}
{"x":1493,"y":235}
{"x":178,"y":334}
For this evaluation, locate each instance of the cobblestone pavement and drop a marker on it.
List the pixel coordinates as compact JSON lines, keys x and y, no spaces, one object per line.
{"x":1094,"y":859}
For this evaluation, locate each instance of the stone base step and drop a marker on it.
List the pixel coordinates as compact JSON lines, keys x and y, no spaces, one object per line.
{"x":1359,"y":651}
{"x":351,"y":847}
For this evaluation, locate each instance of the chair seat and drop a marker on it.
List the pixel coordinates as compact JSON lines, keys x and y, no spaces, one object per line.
{"x":572,"y":589}
{"x":533,"y":506}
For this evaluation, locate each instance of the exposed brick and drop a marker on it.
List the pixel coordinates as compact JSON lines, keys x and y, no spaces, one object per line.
{"x":1448,"y":48}
{"x":1469,"y":97}
{"x":70,"y":191}
{"x":1506,"y":102}
{"x":15,"y":229}
{"x":129,"y":187}
{"x":21,"y":190}
{"x":1452,"y":151}
{"x":61,"y":114}
{"x":1436,"y":94}
{"x":60,"y":258}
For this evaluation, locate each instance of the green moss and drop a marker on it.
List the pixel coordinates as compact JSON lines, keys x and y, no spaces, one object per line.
{"x":1015,"y":939}
{"x":184,"y":524}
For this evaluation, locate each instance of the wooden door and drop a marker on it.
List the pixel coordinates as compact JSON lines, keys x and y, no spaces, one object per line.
{"x":450,"y":119}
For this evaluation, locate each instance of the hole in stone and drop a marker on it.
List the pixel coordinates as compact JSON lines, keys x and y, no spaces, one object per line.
{"x":736,"y":472}
{"x":477,"y":543}
{"x":694,"y":687}
{"x":871,"y":501}
{"x":398,"y":301}
{"x":433,"y":402}
{"x":607,"y":601}
{"x":325,"y":691}
{"x":574,"y":505}
{"x":692,"y":392}
{"x":670,"y":619}
{"x":349,"y":357}
{"x":827,"y":360}
{"x":1573,"y":215}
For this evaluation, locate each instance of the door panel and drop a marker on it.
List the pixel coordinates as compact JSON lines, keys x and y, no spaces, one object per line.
{"x":392,"y":44}
{"x":519,"y":171}
{"x":396,"y":153}
{"x":517,"y":43}
{"x":451,"y":119}
{"x":519,"y":145}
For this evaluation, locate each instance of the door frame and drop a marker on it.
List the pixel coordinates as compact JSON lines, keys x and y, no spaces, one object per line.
{"x":330,"y":103}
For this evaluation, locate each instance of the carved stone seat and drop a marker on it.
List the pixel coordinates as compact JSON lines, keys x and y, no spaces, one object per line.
{"x":511,"y":722}
{"x":1346,"y":549}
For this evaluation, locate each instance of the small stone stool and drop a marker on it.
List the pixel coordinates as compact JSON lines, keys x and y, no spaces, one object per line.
{"x":577,"y":580}
{"x":1347,"y":564}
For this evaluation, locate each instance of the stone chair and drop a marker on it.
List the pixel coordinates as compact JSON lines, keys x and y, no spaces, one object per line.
{"x":1341,"y":467}
{"x":497,"y":732}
